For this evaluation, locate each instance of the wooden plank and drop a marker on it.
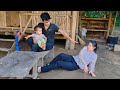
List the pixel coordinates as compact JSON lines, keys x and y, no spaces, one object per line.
{"x":12,"y":18}
{"x":40,"y":13}
{"x":11,"y":40}
{"x":27,"y":24}
{"x":9,"y":27}
{"x":17,"y":28}
{"x":2,"y":18}
{"x":98,"y":40}
{"x":18,"y":64}
{"x":96,"y":30}
{"x":4,"y":49}
{"x":80,"y":40}
{"x":94,"y":19}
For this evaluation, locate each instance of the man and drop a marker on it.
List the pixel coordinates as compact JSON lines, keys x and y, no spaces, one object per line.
{"x":48,"y":29}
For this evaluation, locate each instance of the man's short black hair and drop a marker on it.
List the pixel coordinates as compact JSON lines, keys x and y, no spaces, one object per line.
{"x":37,"y":26}
{"x":45,"y":16}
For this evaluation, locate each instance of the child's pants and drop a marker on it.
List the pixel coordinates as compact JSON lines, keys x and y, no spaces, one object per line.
{"x":41,"y":41}
{"x":36,"y":48}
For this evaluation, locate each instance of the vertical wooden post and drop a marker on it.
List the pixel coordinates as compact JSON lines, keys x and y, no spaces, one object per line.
{"x":80,"y":23}
{"x":109,"y":24}
{"x":20,"y":22}
{"x":67,"y":44}
{"x":67,"y":40}
{"x":77,"y":21}
{"x":74,"y":24}
{"x":5,"y":18}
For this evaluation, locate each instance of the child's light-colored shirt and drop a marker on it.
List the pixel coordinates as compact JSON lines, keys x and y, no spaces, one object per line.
{"x":89,"y":58}
{"x":37,"y":37}
{"x":84,"y":31}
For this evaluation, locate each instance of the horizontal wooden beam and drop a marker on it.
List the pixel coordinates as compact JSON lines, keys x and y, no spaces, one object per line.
{"x":9,"y":27}
{"x":4,"y":49}
{"x":13,"y":29}
{"x":11,"y":40}
{"x":40,"y":13}
{"x":96,"y":30}
{"x":94,"y":19}
{"x":98,"y":40}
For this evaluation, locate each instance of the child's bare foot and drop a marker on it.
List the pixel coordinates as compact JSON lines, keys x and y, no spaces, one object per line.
{"x":44,"y":48}
{"x":39,"y":69}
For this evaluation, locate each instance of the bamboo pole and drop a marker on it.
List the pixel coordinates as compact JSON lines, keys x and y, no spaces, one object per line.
{"x":114,"y":23}
{"x":109,"y":24}
{"x":27,"y":24}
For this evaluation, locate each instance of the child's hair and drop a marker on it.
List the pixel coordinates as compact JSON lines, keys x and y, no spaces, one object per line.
{"x":37,"y":26}
{"x":94,"y":43}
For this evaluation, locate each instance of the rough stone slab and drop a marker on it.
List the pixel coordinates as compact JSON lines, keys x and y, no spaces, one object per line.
{"x":117,"y":47}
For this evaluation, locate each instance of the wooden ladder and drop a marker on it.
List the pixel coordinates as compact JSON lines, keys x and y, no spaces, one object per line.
{"x":8,"y":50}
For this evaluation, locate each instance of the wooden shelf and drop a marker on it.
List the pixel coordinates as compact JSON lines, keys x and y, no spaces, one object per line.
{"x":96,"y":39}
{"x":96,"y":30}
{"x":95,"y":19}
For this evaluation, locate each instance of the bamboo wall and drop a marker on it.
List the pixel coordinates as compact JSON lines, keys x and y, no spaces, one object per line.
{"x":2,"y":18}
{"x":16,"y":20}
{"x":11,"y":18}
{"x":58,"y":17}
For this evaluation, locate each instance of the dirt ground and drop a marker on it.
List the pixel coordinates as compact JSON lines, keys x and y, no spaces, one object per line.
{"x":107,"y":66}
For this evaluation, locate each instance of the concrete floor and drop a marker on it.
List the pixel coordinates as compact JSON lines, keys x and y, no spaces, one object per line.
{"x":107,"y":66}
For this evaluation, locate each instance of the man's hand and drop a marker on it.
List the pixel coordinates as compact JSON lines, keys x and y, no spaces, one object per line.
{"x":73,"y":41}
{"x":85,"y":68}
{"x":90,"y":72}
{"x":26,"y":37}
{"x":67,"y":36}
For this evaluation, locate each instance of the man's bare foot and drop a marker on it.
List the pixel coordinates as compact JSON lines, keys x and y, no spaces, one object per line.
{"x":39,"y":69}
